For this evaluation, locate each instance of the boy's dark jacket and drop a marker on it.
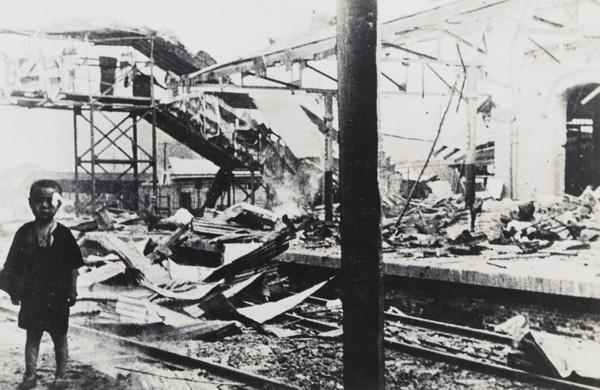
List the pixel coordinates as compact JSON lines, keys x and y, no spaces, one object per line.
{"x":21,"y":250}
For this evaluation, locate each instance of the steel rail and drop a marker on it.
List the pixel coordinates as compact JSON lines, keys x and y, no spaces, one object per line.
{"x":231,"y":373}
{"x":451,"y":328}
{"x":227,"y":372}
{"x":472,"y":362}
{"x":489,"y":368}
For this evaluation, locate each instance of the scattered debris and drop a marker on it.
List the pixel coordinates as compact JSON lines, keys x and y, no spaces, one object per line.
{"x":557,"y":357}
{"x":170,"y":276}
{"x":192,"y":278}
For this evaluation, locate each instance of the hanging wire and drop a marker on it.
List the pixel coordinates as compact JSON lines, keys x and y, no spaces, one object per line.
{"x":412,"y":190}
{"x":462,"y":87}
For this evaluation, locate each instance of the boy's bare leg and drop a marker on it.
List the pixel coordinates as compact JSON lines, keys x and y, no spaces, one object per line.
{"x":61,"y":352}
{"x":32,"y":349}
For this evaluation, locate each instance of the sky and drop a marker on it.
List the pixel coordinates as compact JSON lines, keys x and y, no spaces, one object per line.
{"x":225,"y":29}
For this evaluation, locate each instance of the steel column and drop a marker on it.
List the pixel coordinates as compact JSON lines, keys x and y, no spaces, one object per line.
{"x":89,"y":159}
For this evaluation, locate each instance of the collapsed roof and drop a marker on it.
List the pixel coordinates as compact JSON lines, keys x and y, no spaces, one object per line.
{"x":168,"y":53}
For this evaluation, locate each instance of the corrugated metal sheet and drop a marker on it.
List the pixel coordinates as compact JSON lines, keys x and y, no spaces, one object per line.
{"x":267,"y":311}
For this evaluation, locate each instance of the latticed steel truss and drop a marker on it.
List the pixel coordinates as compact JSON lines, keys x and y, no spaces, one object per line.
{"x":109,"y":157}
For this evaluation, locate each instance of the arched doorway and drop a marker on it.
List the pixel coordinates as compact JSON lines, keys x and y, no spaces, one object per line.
{"x":582,"y":147}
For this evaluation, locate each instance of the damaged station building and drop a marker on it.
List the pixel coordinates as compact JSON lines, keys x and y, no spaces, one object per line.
{"x":390,"y":201}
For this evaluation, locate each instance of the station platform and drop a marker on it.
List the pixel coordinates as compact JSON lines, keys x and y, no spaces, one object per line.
{"x":573,"y":273}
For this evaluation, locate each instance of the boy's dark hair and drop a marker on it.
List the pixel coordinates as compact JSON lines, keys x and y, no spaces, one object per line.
{"x":44,"y":183}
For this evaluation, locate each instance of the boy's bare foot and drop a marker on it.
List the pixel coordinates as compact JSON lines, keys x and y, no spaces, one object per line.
{"x":29,"y":382}
{"x":60,"y":384}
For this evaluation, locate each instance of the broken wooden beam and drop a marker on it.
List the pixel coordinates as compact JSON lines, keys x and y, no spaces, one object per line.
{"x":260,"y":256}
{"x":162,"y":252}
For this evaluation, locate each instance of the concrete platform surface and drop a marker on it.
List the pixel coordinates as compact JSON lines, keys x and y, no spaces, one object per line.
{"x":572,"y":273}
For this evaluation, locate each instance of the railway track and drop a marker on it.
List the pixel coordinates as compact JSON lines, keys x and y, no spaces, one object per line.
{"x":467,"y":347}
{"x":157,"y":366}
{"x":475,"y":349}
{"x":118,"y":353}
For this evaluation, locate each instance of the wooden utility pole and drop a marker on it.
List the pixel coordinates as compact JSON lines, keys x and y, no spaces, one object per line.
{"x":360,"y":207}
{"x":470,"y":155}
{"x":328,"y":171}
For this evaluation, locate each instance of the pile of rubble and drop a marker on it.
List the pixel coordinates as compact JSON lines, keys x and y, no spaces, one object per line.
{"x":543,"y":226}
{"x":191,"y":278}
{"x":184,"y":277}
{"x":183,"y":270}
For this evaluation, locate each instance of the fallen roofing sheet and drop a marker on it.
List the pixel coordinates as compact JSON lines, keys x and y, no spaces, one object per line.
{"x":309,"y":46}
{"x":266,"y":311}
{"x":154,"y":274}
{"x":559,"y":356}
{"x":195,"y":292}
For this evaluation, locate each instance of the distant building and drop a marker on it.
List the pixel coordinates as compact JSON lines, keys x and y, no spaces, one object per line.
{"x":187,"y":181}
{"x":112,"y":189}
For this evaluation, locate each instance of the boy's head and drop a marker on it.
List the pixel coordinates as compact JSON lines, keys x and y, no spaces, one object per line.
{"x":45,"y":199}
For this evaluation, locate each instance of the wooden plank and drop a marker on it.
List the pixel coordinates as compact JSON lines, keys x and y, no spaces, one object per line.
{"x":100,"y":274}
{"x":162,"y":252}
{"x":153,"y":273}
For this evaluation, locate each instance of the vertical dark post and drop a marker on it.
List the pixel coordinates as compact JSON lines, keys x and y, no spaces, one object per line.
{"x":164,"y":158}
{"x":328,"y":176}
{"x":134,"y":164}
{"x":471,"y":84}
{"x":93,"y":152}
{"x":76,"y":111}
{"x":229,"y":191}
{"x":360,"y":230}
{"x":253,"y":184}
{"x":153,"y":101}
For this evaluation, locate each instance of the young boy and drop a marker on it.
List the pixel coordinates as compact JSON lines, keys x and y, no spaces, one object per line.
{"x":40,"y":274}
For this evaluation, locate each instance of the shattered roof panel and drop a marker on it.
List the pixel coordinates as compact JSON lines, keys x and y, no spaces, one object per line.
{"x":323,"y":43}
{"x":168,"y":53}
{"x":311,"y":46}
{"x":282,"y":113}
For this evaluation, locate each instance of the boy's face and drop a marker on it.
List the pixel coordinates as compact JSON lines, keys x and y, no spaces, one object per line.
{"x":44,"y":203}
